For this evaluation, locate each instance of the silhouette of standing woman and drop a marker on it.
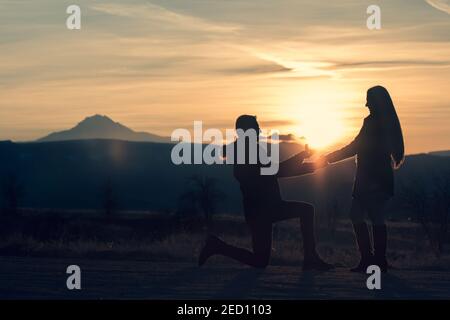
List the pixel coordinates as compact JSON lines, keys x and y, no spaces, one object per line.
{"x":380,"y":149}
{"x":264,"y":206}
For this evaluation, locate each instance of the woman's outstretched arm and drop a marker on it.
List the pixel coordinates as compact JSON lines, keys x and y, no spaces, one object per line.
{"x":346,"y":152}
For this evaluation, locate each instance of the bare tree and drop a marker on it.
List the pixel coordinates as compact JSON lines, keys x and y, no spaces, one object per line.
{"x":109,"y":200}
{"x":441,"y":205}
{"x":204,"y":194}
{"x":416,"y":199}
{"x":332,"y":213}
{"x":12,"y":193}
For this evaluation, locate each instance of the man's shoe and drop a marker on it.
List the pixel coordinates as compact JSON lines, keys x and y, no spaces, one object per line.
{"x":209,"y":249}
{"x":363,"y":264}
{"x":316,"y":264}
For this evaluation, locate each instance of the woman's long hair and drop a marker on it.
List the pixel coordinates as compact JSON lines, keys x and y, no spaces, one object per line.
{"x":384,"y":109}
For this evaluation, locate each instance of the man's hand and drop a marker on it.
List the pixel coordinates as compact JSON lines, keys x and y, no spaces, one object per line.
{"x":322,"y":162}
{"x":307,"y":153}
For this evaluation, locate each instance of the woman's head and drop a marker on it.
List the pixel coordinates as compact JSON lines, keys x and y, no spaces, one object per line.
{"x":381,"y":106}
{"x":378,"y":99}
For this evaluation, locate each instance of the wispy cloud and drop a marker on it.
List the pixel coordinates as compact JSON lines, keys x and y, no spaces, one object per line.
{"x":443,"y":5}
{"x":298,"y":67}
{"x":256,"y":69}
{"x":277,"y":123}
{"x":290,"y":138}
{"x":389,"y":64}
{"x":163,"y":15}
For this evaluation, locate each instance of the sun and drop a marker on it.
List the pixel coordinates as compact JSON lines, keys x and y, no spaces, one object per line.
{"x":317,"y":116}
{"x":320,"y":127}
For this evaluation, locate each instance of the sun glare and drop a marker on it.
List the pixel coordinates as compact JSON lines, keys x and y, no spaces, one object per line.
{"x":316,"y":115}
{"x":319,"y":131}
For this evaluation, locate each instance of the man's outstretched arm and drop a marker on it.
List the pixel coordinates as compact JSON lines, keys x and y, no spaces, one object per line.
{"x":295,"y":166}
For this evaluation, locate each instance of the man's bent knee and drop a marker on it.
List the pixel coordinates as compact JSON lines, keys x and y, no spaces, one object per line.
{"x":308,"y":212}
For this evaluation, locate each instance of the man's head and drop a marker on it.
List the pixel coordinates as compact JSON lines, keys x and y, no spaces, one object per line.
{"x":246,"y":122}
{"x":248,"y":143}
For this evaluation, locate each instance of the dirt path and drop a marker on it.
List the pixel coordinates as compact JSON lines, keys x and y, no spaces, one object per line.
{"x":41,"y":278}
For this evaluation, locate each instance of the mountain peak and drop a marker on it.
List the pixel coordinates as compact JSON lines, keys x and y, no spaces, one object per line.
{"x":98,"y":118}
{"x":99,"y":121}
{"x":102,"y":127}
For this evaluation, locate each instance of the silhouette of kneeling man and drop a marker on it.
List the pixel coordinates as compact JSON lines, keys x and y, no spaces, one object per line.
{"x":263,"y":206}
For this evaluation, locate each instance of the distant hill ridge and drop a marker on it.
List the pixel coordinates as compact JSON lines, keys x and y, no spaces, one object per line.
{"x":442,"y":153}
{"x":102,"y":127}
{"x":72,"y":175}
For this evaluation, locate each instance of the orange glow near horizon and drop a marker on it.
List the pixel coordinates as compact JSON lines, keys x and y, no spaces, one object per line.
{"x":317,"y":114}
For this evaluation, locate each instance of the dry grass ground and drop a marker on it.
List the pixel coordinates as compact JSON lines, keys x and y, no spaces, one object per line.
{"x":45,"y":278}
{"x":154,"y":257}
{"x":149,"y":238}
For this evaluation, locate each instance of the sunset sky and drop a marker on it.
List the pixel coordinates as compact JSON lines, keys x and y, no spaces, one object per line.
{"x":302,"y":67}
